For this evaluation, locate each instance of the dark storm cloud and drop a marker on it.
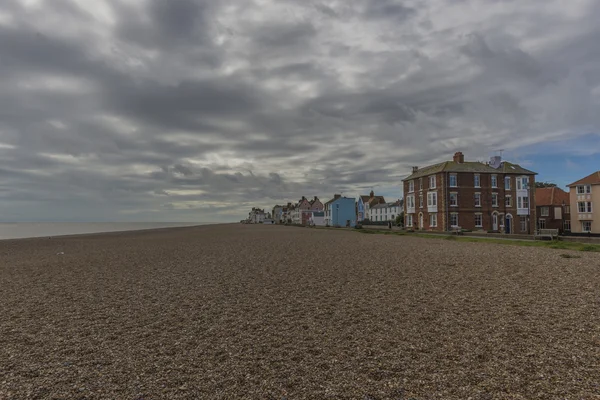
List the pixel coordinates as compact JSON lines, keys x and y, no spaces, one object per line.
{"x":197,"y":110}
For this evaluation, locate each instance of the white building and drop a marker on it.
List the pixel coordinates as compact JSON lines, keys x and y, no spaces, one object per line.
{"x":256,"y":216}
{"x":385,"y":212}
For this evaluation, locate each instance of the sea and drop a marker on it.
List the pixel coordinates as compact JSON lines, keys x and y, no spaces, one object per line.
{"x":21,"y":230}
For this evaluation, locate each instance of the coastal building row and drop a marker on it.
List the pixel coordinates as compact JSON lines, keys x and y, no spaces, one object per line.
{"x":495,"y":196}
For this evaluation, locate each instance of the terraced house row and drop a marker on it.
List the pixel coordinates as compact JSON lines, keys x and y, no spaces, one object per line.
{"x":497,"y":196}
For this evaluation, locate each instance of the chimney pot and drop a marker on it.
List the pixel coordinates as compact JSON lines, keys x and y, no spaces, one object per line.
{"x":415,"y":169}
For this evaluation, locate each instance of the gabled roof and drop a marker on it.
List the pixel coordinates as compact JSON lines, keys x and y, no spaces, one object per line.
{"x":551,"y":196}
{"x":469,"y":166}
{"x":335,"y":197}
{"x":592,"y":179}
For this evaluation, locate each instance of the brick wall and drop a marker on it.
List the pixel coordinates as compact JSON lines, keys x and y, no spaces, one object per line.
{"x":466,"y":202}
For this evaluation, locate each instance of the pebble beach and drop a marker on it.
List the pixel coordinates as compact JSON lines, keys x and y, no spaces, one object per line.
{"x":274,"y":312}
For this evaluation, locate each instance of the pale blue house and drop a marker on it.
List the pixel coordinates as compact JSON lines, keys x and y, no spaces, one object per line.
{"x":343,"y":211}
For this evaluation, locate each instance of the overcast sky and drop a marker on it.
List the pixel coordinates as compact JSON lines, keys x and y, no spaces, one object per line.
{"x":191,"y":110}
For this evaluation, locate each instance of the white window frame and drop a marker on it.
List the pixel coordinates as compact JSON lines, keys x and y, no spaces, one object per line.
{"x":432,"y":199}
{"x":495,"y":200}
{"x":508,"y":201}
{"x":545,"y":211}
{"x":454,"y":214}
{"x":411,"y":186}
{"x":583,"y":224}
{"x":477,"y":180}
{"x":584,"y":189}
{"x":477,"y":199}
{"x":433,"y":220}
{"x":542,"y":221}
{"x":495,"y":181}
{"x":432,"y":182}
{"x":507,"y":183}
{"x":567,"y":225}
{"x":420,"y":183}
{"x":587,"y":207}
{"x":455,"y":194}
{"x":409,"y":220}
{"x":421,"y":200}
{"x":480,"y":216}
{"x":455,"y":176}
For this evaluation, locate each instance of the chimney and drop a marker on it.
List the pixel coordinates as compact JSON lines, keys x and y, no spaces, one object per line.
{"x":316,"y":198}
{"x":459,"y":157}
{"x":415,"y":169}
{"x":337,"y":196}
{"x":372,"y":194}
{"x":303,"y":198}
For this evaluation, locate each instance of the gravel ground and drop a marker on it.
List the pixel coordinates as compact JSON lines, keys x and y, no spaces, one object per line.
{"x":272,"y":312}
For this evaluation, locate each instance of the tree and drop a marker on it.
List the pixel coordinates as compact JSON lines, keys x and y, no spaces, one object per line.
{"x":544,"y":185}
{"x":400,"y":219}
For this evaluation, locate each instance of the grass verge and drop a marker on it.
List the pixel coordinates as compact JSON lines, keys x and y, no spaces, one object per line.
{"x":526,"y":243}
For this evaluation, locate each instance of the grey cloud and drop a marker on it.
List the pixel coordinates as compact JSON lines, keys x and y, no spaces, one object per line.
{"x":198,"y":109}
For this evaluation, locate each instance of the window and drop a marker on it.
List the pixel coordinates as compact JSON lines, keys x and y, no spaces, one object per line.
{"x":522,"y":183}
{"x":453,"y":180}
{"x":411,"y":186}
{"x":557,"y":212}
{"x":584,"y":206}
{"x":523,"y":224}
{"x":545,"y":211}
{"x":478,"y":221}
{"x":432,"y":182}
{"x":420,"y":183}
{"x":494,"y":199}
{"x":410,"y":201}
{"x":477,"y":180}
{"x":409,"y":220}
{"x":454,"y":220}
{"x":432,"y":199}
{"x":453,"y":199}
{"x":542,"y":224}
{"x":433,"y":220}
{"x":567,"y":209}
{"x":584,"y":189}
{"x":522,"y":202}
{"x":586,"y":226}
{"x":494,"y":181}
{"x":508,"y":201}
{"x":567,"y":225}
{"x":421,"y":201}
{"x":507,"y":183}
{"x":477,"y":199}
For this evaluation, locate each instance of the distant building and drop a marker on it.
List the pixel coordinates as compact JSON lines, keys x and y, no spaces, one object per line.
{"x":553,"y":209}
{"x":585,"y":218}
{"x":342,"y":211}
{"x":364,"y":204}
{"x":496,"y":197}
{"x":278,"y":214}
{"x":256,"y":216}
{"x":385,"y":211}
{"x":327,"y":209}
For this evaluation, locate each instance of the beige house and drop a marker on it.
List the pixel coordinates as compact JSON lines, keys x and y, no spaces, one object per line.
{"x":585,"y":215}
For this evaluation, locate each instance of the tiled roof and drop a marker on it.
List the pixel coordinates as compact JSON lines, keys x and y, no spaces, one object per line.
{"x":376,"y":200}
{"x":365,"y":197}
{"x":551,"y":196}
{"x":468,"y":166}
{"x":592,"y":179}
{"x":335,"y":197}
{"x":510,"y":168}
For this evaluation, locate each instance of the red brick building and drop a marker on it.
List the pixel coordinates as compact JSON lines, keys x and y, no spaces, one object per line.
{"x":553,"y":209}
{"x":495,"y":197}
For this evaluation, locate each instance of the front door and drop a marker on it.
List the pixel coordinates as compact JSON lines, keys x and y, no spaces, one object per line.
{"x":421,"y":221}
{"x":494,"y":222}
{"x":507,"y":225}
